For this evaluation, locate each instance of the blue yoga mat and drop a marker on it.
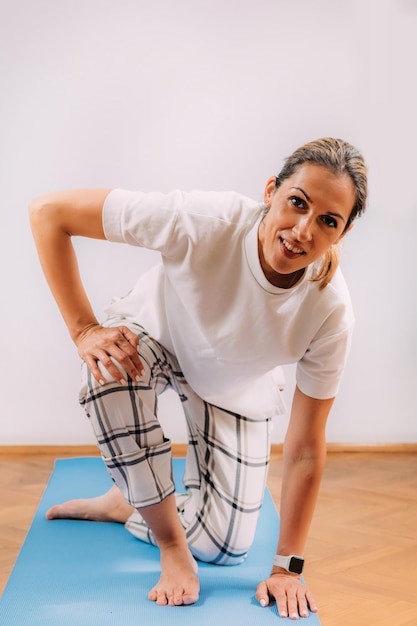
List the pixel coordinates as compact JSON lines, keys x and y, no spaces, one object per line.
{"x":76,"y":573}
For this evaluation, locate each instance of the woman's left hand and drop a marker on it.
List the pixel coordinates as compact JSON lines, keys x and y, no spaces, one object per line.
{"x":292,"y":597}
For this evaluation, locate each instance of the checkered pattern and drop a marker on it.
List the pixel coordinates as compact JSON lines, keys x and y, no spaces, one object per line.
{"x":226,"y":463}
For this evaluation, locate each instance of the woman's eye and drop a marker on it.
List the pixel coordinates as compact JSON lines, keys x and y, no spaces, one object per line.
{"x":329,"y":221}
{"x":297,"y":202}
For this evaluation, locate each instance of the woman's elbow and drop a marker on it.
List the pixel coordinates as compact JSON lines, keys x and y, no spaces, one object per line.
{"x":38,"y":208}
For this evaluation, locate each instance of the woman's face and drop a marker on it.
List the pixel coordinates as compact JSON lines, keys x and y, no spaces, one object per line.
{"x":308,"y":213}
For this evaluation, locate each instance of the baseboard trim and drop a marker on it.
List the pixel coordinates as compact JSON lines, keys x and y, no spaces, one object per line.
{"x":180,"y":449}
{"x":390,"y":448}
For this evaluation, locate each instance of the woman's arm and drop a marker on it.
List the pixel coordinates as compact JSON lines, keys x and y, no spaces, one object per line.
{"x":304,"y":459}
{"x":55,"y":218}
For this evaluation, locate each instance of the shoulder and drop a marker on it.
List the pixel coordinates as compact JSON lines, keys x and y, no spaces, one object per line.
{"x":197,"y":201}
{"x":133,"y":216}
{"x":328,"y":310}
{"x":334,"y":294}
{"x":339,"y":298}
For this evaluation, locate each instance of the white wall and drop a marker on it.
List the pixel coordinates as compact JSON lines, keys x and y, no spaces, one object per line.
{"x":212,"y":95}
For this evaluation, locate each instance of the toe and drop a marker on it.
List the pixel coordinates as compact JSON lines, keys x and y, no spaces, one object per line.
{"x":161,"y":598}
{"x":152,"y":595}
{"x":189,"y":598}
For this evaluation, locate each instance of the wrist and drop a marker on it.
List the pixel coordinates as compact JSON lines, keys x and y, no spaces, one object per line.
{"x":279,"y":572}
{"x":81,"y":332}
{"x":291,"y":563}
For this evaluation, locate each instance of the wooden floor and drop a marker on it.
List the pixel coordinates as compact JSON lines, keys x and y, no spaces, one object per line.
{"x":362,"y":551}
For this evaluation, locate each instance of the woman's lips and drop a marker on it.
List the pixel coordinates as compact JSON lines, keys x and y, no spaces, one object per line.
{"x":290,"y":250}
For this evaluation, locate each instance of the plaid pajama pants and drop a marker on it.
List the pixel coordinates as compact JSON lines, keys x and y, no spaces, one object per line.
{"x":226,"y":463}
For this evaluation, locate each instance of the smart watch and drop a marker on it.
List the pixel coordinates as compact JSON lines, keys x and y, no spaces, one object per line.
{"x":291,"y":563}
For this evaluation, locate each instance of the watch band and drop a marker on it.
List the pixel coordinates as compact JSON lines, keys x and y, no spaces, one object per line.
{"x":291,"y":563}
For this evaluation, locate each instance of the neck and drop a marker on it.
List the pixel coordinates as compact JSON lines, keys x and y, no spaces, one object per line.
{"x":284,"y":281}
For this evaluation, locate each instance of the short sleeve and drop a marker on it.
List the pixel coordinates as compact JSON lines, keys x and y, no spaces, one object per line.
{"x":320,"y":370}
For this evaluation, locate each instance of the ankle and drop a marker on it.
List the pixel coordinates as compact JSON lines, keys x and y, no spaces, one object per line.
{"x":173,"y":544}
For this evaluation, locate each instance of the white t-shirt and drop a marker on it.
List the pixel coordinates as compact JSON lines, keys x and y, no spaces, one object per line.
{"x":210,"y":304}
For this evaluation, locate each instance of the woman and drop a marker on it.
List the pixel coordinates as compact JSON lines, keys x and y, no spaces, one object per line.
{"x":242,"y":289}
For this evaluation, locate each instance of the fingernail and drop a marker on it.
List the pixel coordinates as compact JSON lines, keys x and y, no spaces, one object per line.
{"x":138,"y":379}
{"x":262,"y":602}
{"x":101,"y":382}
{"x":283,"y":614}
{"x":123,"y":382}
{"x":294,"y":616}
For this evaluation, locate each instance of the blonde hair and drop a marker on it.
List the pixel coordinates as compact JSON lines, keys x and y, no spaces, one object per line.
{"x":340,"y":158}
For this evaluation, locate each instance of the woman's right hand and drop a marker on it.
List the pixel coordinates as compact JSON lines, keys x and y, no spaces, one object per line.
{"x":100,"y":345}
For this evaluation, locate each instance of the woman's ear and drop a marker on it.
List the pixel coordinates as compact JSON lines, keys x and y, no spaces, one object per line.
{"x":269,"y":190}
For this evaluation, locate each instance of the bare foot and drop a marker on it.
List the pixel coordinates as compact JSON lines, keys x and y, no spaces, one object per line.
{"x":110,"y":507}
{"x":178,"y":583}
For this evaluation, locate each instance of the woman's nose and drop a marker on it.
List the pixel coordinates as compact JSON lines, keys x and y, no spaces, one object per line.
{"x":304,"y":228}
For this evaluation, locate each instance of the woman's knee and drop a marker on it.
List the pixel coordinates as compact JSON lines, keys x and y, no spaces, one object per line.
{"x":206,"y":551}
{"x":91,"y":390}
{"x":222,"y":541}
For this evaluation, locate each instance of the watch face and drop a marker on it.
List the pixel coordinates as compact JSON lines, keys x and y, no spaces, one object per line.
{"x":296,"y":565}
